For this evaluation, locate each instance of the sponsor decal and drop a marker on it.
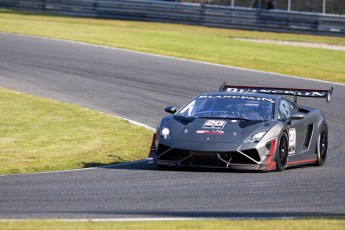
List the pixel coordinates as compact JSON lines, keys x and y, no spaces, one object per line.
{"x":219,"y":132}
{"x":238,"y":97}
{"x":292,"y":141}
{"x":302,"y":93}
{"x":214,"y":124}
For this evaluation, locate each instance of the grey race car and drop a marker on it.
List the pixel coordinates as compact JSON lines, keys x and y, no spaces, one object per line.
{"x":243,"y":127}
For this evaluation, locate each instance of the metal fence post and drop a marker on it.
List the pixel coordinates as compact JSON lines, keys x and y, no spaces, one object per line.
{"x":44,"y":5}
{"x":232,"y":3}
{"x":324,"y":7}
{"x":289,"y":5}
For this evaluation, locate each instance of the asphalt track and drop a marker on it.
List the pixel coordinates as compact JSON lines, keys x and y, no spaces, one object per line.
{"x":138,"y":87}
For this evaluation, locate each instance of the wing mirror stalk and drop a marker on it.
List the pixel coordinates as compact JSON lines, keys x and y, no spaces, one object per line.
{"x":297,"y":116}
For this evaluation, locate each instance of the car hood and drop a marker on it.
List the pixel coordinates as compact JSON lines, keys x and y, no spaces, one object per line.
{"x":224,"y":130}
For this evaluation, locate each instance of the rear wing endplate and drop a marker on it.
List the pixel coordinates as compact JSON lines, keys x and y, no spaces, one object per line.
{"x":316,"y":93}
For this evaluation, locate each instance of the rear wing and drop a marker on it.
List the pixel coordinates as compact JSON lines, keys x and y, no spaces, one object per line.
{"x":317,"y":93}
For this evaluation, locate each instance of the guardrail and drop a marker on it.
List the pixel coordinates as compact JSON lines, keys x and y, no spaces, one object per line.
{"x":187,"y":13}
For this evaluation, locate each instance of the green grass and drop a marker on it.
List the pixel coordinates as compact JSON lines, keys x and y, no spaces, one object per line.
{"x":38,"y":134}
{"x":302,"y":224}
{"x":191,"y":42}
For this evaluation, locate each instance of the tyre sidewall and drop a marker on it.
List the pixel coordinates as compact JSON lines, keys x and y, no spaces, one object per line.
{"x":279,"y":165}
{"x":320,"y":161}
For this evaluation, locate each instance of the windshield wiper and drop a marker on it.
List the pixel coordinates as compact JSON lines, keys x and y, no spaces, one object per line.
{"x":244,"y":119}
{"x":238,"y":118}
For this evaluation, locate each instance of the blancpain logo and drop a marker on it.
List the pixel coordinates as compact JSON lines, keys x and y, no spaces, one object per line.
{"x":277,"y":91}
{"x":239,"y":97}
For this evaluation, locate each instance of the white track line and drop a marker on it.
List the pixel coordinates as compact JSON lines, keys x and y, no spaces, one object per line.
{"x":130,"y":121}
{"x":176,"y":58}
{"x":148,"y":160}
{"x":154,"y":219}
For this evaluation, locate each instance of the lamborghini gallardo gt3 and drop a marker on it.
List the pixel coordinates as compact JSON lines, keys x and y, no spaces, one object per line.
{"x":243,"y":128}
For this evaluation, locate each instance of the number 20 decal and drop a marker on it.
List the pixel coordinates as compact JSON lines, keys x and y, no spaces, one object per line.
{"x":214,"y":124}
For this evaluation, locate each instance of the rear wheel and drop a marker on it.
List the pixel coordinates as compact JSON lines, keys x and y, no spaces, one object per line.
{"x":322,"y":146}
{"x":282,"y":153}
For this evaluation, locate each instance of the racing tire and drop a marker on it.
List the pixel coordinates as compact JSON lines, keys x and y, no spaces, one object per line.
{"x":322,"y":145}
{"x":282,"y":153}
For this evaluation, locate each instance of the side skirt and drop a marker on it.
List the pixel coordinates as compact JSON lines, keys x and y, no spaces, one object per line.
{"x":301,"y":159}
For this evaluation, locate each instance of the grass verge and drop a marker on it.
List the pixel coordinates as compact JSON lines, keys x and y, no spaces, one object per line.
{"x":305,"y":224}
{"x":191,"y":42}
{"x":38,"y":134}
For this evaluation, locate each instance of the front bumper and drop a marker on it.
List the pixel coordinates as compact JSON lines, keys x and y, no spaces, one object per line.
{"x":258,"y":156}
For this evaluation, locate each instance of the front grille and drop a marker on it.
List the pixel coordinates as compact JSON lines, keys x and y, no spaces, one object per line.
{"x":203,"y":159}
{"x":227,"y":156}
{"x":206,"y":162}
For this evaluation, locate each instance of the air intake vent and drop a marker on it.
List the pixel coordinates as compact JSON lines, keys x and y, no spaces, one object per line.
{"x":252,"y":153}
{"x":308,"y":136}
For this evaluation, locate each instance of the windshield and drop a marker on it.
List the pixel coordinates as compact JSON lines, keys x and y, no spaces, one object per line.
{"x":236,"y":107}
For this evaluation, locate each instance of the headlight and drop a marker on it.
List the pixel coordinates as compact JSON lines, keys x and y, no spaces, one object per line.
{"x":255,"y":137}
{"x":165,"y":132}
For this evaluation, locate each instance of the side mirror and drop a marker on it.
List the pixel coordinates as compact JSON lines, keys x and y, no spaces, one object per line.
{"x":170,"y":109}
{"x":297,"y":116}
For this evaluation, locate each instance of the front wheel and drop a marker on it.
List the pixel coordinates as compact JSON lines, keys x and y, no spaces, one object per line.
{"x":282,"y":153}
{"x":322,"y":145}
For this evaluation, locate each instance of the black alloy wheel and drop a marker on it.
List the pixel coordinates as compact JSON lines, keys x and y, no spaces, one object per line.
{"x":322,"y":147}
{"x":282,"y":153}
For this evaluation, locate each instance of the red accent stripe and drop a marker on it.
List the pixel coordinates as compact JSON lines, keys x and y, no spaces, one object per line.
{"x":301,"y":162}
{"x":153,"y":145}
{"x":271,"y":166}
{"x":272,"y":150}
